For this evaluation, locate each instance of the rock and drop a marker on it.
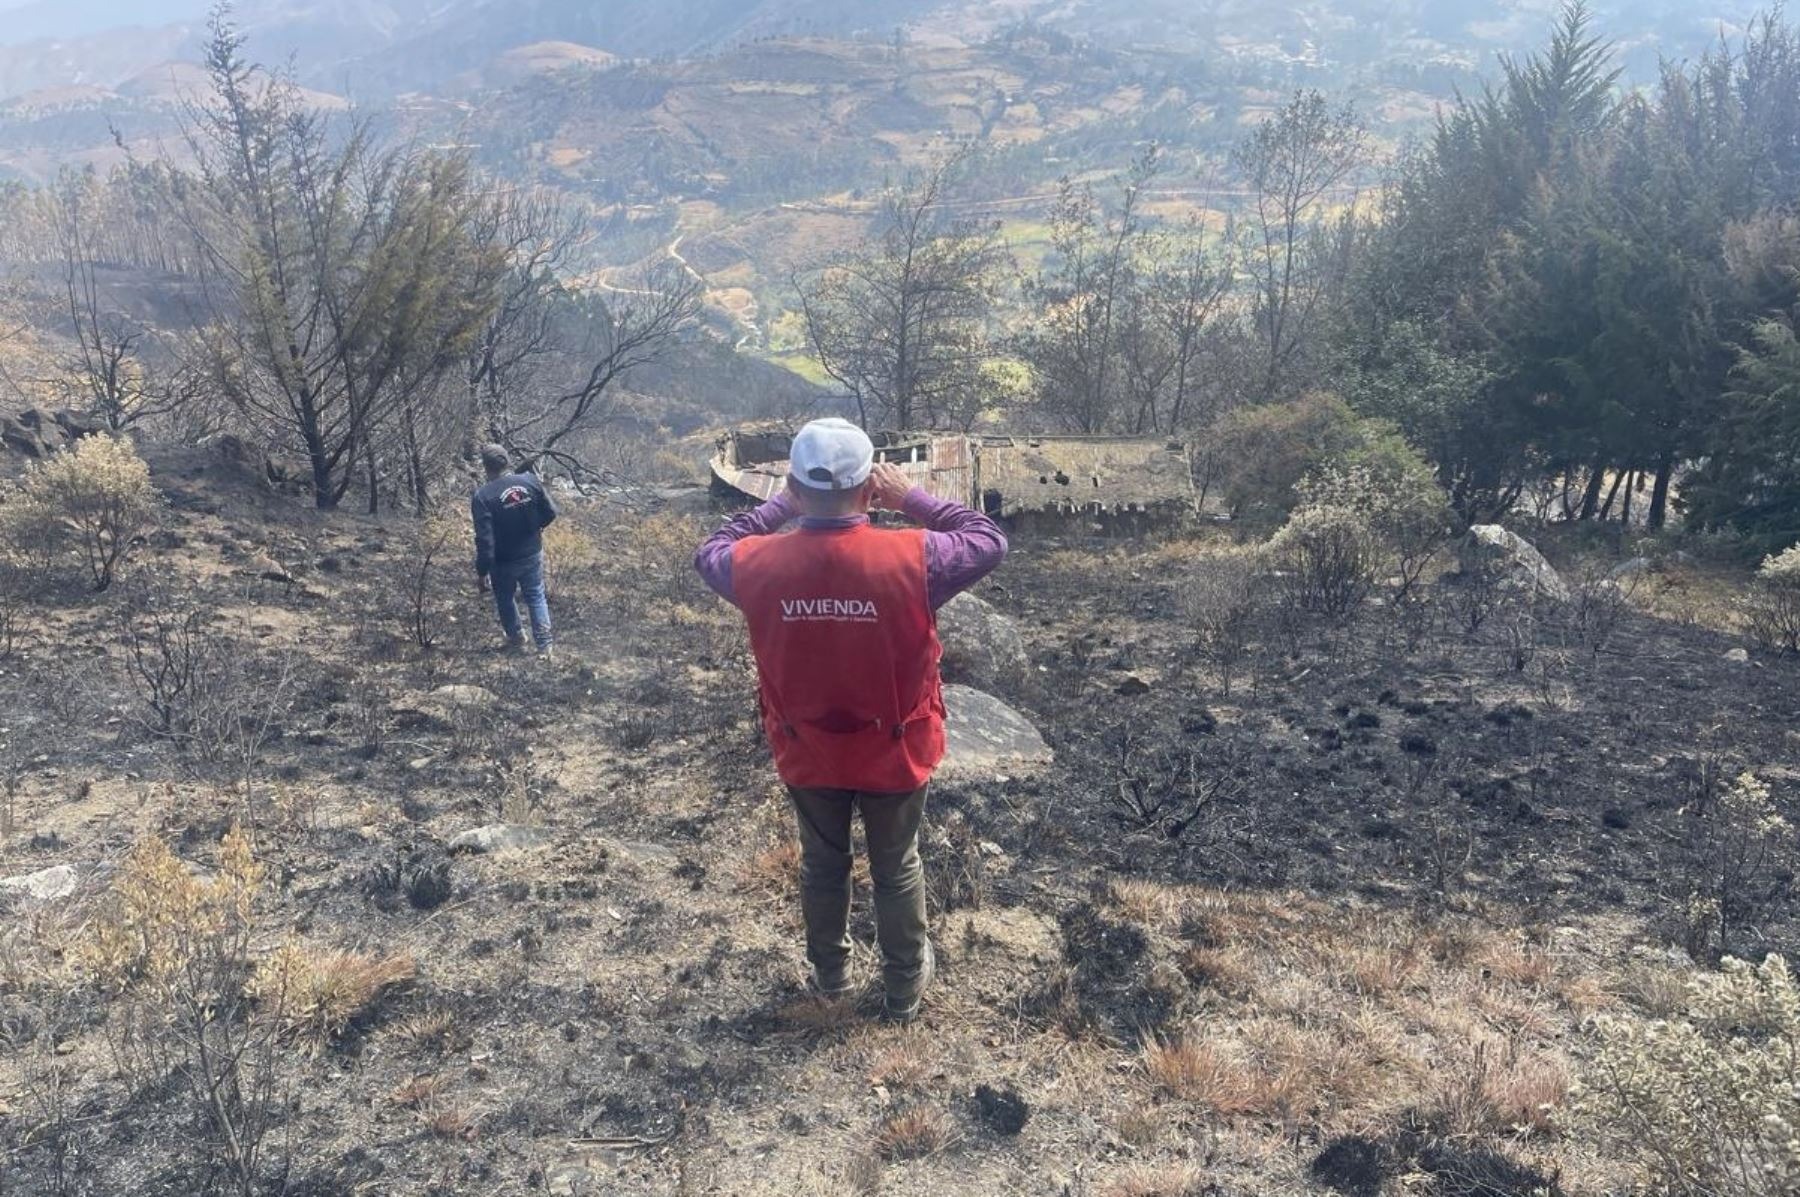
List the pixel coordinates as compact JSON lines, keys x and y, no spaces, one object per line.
{"x":1738,"y":656}
{"x":45,"y":885}
{"x":982,"y":647}
{"x":644,"y":852}
{"x":496,"y":838}
{"x":1637,"y":567}
{"x":1132,"y":686}
{"x":1489,"y":546}
{"x":571,"y":1180}
{"x":464,"y":696}
{"x":23,"y":439}
{"x":985,"y":736}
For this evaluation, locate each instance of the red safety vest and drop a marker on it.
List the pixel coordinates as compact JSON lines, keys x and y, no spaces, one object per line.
{"x":847,"y":655}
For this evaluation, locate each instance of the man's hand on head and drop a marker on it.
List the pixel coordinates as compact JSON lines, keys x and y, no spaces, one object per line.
{"x":888,"y":486}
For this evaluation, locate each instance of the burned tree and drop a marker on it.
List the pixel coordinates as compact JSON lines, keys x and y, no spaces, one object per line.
{"x":341,"y":280}
{"x":901,"y":323}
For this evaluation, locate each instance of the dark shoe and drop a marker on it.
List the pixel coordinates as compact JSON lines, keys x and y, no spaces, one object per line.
{"x":832,"y":987}
{"x":515,"y":644}
{"x":906,"y":1009}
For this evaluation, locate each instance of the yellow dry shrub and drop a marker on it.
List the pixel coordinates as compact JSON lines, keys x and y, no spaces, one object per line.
{"x":164,"y":925}
{"x":657,"y":554}
{"x":570,"y":552}
{"x":98,"y":492}
{"x":316,"y":993}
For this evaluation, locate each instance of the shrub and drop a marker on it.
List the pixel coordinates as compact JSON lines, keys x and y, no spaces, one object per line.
{"x":173,"y":950}
{"x":1772,"y":611}
{"x":1279,"y":457}
{"x":1706,"y":1100}
{"x":427,"y":590}
{"x":1393,"y":487}
{"x":212,"y":691}
{"x":1221,"y":600}
{"x":1325,"y":560}
{"x":570,"y":553}
{"x":98,"y":492}
{"x":1746,"y":851}
{"x":1265,"y":451}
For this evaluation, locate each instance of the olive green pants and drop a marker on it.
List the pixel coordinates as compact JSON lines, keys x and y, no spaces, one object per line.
{"x":891,"y":827}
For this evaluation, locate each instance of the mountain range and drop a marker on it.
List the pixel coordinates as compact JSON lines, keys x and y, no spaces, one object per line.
{"x":377,"y":48}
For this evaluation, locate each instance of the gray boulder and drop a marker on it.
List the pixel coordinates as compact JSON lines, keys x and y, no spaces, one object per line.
{"x":497,"y":838}
{"x":45,"y":885}
{"x":1489,"y":547}
{"x":985,"y":737}
{"x":982,"y":648}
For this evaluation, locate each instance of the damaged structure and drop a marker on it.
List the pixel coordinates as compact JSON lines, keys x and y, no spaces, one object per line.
{"x":1120,"y":485}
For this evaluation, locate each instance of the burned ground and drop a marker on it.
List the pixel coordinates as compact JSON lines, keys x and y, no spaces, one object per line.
{"x":1340,"y":924}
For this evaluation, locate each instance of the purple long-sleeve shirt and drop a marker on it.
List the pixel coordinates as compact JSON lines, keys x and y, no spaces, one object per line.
{"x":962,"y":546}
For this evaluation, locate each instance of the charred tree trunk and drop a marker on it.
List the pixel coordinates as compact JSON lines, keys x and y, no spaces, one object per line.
{"x":1659,"y":495}
{"x":1590,"y":500}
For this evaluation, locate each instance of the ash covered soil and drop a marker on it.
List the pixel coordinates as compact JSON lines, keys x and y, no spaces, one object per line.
{"x":1339,"y":926}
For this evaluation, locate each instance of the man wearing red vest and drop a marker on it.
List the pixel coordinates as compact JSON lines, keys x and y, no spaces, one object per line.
{"x":843,"y":623}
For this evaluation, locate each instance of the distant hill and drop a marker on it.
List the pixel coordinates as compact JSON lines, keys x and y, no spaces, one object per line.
{"x":377,"y":48}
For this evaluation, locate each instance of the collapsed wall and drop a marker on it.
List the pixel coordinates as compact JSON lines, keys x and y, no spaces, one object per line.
{"x":1119,"y":484}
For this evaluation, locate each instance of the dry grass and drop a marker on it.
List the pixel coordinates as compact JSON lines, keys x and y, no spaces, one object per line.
{"x":1658,"y":992}
{"x":317,"y":992}
{"x":1140,"y":1125}
{"x":815,"y":1015}
{"x":912,"y":1133}
{"x":1509,"y":959}
{"x":432,"y":1032}
{"x":906,"y":1063}
{"x":1148,"y":902}
{"x":1528,"y":1095}
{"x":1226,"y":971}
{"x":774,"y":871}
{"x":1202,"y":1073}
{"x":1383,"y":968}
{"x":417,"y":1092}
{"x":449,"y":1120}
{"x":1155,"y":1180}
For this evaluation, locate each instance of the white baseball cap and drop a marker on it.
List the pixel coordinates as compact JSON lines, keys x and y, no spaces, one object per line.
{"x":831,"y":454}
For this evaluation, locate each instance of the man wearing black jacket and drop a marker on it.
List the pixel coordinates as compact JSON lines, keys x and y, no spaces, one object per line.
{"x":511,"y":512}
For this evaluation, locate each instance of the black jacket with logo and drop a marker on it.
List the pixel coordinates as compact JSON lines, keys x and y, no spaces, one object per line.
{"x":510,"y":513}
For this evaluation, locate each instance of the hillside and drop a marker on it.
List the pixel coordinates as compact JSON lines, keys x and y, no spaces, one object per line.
{"x":1337,"y":927}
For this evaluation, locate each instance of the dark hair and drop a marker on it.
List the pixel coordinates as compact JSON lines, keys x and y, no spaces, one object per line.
{"x":495,"y":459}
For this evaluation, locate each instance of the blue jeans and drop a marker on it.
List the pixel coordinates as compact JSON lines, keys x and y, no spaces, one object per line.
{"x":526,"y":577}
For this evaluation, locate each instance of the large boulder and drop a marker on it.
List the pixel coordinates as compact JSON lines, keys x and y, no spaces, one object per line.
{"x":985,"y":737}
{"x":1491,"y":548}
{"x":982,"y":648}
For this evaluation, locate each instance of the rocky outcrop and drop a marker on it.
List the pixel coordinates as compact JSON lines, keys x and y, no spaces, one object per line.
{"x":982,"y":647}
{"x":37,"y":433}
{"x":985,"y":737}
{"x":1517,"y":564}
